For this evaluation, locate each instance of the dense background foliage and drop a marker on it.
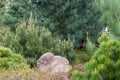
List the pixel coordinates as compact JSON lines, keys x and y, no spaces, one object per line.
{"x":17,"y":11}
{"x":70,"y":19}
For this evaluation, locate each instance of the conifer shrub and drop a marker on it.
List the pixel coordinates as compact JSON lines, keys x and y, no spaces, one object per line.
{"x":105,"y":63}
{"x":33,"y":41}
{"x":7,"y":38}
{"x":10,"y":60}
{"x":89,"y":47}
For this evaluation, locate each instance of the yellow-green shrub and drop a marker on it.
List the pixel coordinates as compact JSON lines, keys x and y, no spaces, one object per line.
{"x":10,"y":60}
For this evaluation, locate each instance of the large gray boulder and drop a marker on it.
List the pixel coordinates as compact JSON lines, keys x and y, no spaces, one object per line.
{"x":53,"y":64}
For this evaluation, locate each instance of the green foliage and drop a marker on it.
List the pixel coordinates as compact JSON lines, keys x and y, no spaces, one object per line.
{"x":37,"y":41}
{"x":82,"y":56}
{"x":104,"y":38}
{"x":70,"y":19}
{"x":19,"y":10}
{"x":10,"y":60}
{"x":110,"y":14}
{"x":7,"y":38}
{"x":33,"y":41}
{"x":90,"y":47}
{"x":2,"y":7}
{"x":104,"y":63}
{"x":2,"y":10}
{"x":77,"y":75}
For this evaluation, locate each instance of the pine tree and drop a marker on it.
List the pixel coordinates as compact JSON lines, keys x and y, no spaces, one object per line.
{"x":70,"y":19}
{"x":19,"y":10}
